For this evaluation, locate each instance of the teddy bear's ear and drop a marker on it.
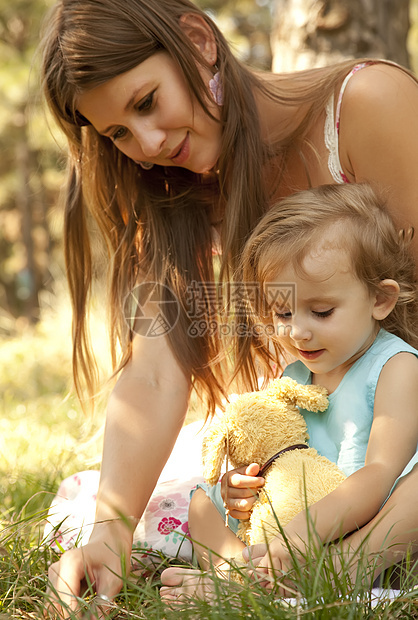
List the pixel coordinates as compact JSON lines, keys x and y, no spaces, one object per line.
{"x":213,"y":453}
{"x":310,"y":397}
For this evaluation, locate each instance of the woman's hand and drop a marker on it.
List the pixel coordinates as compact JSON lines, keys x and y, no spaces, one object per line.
{"x":239,"y":490}
{"x":100,"y":563}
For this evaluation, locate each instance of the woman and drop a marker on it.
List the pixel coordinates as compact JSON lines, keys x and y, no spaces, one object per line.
{"x":174,"y":143}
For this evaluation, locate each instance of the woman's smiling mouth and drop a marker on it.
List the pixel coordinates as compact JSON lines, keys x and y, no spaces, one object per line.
{"x":182,"y":154}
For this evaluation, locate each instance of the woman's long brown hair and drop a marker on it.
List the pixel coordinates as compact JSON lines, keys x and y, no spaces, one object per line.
{"x":157,"y":224}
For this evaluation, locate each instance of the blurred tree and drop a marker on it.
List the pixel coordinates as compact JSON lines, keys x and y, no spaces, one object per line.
{"x":28,"y":160}
{"x":311,"y":33}
{"x":246,"y":24}
{"x":413,"y":35}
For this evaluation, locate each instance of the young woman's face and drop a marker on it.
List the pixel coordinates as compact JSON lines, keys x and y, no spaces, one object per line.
{"x":330,"y":323}
{"x":150,"y":116}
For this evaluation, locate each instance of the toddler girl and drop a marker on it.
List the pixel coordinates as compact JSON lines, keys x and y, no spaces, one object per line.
{"x":350,"y":326}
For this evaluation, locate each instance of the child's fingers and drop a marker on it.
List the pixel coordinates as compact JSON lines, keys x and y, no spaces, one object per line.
{"x":238,"y":512}
{"x":270,"y":567}
{"x":254,"y":553}
{"x":239,"y":480}
{"x":239,"y":501}
{"x":240,"y":507}
{"x":234,"y":493}
{"x":64,"y":586}
{"x":252,"y":469}
{"x":235,"y":480}
{"x":262,"y":576}
{"x":260,"y":566}
{"x":239,"y":490}
{"x":267,"y":569}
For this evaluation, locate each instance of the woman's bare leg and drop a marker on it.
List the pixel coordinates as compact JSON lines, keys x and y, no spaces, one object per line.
{"x":212,"y":542}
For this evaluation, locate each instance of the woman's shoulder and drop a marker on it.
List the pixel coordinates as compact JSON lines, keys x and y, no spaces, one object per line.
{"x":377,"y":85}
{"x":378,"y":127}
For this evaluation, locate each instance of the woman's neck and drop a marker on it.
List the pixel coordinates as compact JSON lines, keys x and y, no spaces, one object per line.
{"x":278,"y":120}
{"x":303,"y":160}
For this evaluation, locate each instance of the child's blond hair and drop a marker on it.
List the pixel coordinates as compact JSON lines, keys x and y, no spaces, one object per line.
{"x":295,"y":225}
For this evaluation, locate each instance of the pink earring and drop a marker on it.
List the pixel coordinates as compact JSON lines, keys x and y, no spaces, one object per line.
{"x":215,"y":87}
{"x":146,"y":165}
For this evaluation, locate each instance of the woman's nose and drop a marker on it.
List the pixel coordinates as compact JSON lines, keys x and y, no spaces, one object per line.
{"x":151,"y":140}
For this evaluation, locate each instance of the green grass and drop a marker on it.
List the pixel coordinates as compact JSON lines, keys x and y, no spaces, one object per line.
{"x":43,"y":433}
{"x":44,"y":437}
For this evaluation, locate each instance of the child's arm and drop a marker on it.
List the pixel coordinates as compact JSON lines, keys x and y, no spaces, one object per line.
{"x":392,"y":443}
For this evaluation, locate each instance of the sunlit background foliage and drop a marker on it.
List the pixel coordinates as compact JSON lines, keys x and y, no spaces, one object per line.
{"x":35,"y":321}
{"x":44,"y":436}
{"x":32,"y":160}
{"x":35,"y":318}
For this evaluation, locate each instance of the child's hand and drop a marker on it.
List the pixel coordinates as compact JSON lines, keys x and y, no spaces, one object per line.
{"x":239,"y":488}
{"x":269,"y":564}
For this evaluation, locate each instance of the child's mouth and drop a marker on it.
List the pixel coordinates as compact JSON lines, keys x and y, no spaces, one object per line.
{"x":311,"y":355}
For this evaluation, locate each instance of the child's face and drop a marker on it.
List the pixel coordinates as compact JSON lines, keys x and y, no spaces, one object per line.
{"x":331,"y":324}
{"x":150,"y":116}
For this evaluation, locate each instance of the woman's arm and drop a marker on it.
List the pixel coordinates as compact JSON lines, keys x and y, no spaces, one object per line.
{"x":145,"y":413}
{"x":393,"y":441}
{"x":379,"y":138}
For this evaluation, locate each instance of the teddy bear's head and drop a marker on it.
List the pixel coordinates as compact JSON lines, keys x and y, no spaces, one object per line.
{"x":257,"y":425}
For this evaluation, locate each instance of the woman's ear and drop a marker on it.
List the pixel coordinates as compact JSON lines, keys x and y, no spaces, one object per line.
{"x":201,"y":35}
{"x":386,"y":299}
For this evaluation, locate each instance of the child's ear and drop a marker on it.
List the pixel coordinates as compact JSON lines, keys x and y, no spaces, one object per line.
{"x":386,"y":299}
{"x":201,"y":35}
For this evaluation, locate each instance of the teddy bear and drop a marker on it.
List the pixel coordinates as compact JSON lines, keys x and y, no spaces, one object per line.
{"x":266,"y":427}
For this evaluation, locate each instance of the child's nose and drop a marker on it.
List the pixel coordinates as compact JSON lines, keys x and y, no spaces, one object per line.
{"x":300,"y":331}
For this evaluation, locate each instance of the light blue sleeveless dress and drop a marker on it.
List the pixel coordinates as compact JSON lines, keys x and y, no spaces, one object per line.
{"x":342,"y":432}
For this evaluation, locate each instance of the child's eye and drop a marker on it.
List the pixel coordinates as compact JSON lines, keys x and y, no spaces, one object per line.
{"x":323,"y":314}
{"x":283,"y":316}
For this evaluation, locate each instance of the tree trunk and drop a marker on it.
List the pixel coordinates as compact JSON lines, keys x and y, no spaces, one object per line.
{"x":314,"y":33}
{"x":28,"y":279}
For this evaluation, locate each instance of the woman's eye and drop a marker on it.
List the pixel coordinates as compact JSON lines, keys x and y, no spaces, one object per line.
{"x":143,"y":106}
{"x":323,"y":314}
{"x":119,"y":134}
{"x":146,"y":104}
